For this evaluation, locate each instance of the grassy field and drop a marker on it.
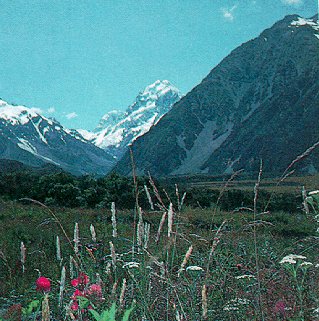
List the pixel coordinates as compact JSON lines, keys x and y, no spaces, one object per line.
{"x":199,"y":264}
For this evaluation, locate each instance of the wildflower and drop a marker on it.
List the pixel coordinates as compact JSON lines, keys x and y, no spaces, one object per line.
{"x":280,"y":308}
{"x":62,"y":285}
{"x":77,"y":293}
{"x":204,"y":302}
{"x":122,"y":292}
{"x":75,"y":306}
{"x":234,"y":304}
{"x":194,"y":268}
{"x":245,"y":276}
{"x":131,"y":265}
{"x":22,"y":255}
{"x":306,"y":264}
{"x":58,"y":249}
{"x":170,"y":220}
{"x":291,"y":259}
{"x":239,"y":266}
{"x":82,"y":279}
{"x":95,"y":290}
{"x":76,"y":238}
{"x":43,"y":284}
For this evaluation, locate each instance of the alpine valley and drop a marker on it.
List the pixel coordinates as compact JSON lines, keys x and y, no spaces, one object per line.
{"x":260,"y":103}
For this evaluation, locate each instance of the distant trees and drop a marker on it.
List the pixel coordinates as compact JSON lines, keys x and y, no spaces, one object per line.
{"x":66,"y":190}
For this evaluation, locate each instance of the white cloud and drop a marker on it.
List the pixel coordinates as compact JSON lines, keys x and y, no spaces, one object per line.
{"x":51,"y":110}
{"x":71,"y":115}
{"x":228,"y":13}
{"x":37,"y":110}
{"x":291,"y":2}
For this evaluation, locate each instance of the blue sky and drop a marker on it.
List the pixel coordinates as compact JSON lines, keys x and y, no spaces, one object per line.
{"x":76,"y":59}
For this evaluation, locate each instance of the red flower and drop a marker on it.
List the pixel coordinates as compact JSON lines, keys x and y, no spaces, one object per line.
{"x":75,"y":282}
{"x":75,"y":306}
{"x":43,"y":284}
{"x":77,"y":293}
{"x":82,"y":279}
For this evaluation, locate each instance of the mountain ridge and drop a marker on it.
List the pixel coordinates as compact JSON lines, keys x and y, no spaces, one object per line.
{"x":29,"y":137}
{"x":219,"y":126}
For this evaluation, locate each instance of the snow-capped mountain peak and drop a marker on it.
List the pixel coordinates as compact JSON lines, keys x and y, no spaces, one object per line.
{"x":18,"y":114}
{"x":27,"y":136}
{"x":117,"y":129}
{"x":312,"y":22}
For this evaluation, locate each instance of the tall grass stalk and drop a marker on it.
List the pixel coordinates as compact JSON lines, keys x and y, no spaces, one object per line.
{"x":58,"y":249}
{"x":22,"y":256}
{"x":114,"y":227}
{"x":62,"y":286}
{"x":76,"y":238}
{"x":149,"y":198}
{"x":93,"y":233}
{"x":256,"y":189}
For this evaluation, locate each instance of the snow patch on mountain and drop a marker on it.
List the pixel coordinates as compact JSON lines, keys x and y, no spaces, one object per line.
{"x":307,"y":22}
{"x":117,"y":129}
{"x":45,"y":140}
{"x":27,"y":146}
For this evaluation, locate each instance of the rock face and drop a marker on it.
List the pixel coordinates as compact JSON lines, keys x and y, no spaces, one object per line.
{"x":260,"y":102}
{"x":117,"y":130}
{"x":34,"y":140}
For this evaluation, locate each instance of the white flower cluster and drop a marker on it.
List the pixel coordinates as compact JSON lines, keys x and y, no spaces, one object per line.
{"x":131,"y":265}
{"x":245,"y":276}
{"x":194,"y":268}
{"x":292,"y":259}
{"x":234,"y":305}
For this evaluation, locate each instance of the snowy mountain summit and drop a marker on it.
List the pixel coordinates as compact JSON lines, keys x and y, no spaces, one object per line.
{"x":117,"y":130}
{"x":28,"y":137}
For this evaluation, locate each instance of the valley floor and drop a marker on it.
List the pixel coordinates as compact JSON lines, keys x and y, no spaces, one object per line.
{"x":176,"y":264}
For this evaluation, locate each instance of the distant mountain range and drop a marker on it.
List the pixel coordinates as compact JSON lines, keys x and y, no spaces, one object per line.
{"x":260,"y":102}
{"x":117,"y":129}
{"x":30,"y":138}
{"x":34,"y":140}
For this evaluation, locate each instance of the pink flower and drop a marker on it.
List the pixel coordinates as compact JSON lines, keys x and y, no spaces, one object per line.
{"x":43,"y":284}
{"x":280,"y":308}
{"x":95,"y":289}
{"x":239,"y":266}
